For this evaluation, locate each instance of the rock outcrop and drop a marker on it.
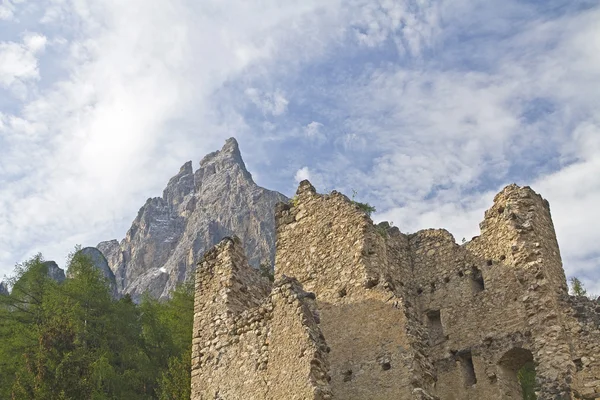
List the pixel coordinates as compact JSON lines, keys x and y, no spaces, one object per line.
{"x":197,"y":209}
{"x":101,"y":263}
{"x":3,"y":289}
{"x":54,"y":271}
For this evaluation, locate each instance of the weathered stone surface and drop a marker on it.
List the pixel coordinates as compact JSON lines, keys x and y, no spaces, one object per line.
{"x":114,"y":256}
{"x":335,"y":251}
{"x":54,"y":271}
{"x":3,"y":289}
{"x":412,"y":316}
{"x":197,"y":209}
{"x":268,"y":335}
{"x":101,"y":263}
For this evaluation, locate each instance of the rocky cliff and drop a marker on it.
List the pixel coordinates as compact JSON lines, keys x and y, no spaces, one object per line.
{"x":3,"y":289}
{"x":197,"y":209}
{"x":54,"y":271}
{"x":101,"y":263}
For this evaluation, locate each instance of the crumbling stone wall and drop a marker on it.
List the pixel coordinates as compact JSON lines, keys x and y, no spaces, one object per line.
{"x":251,"y":342}
{"x":334,"y":250}
{"x":497,"y":301}
{"x":393,"y":315}
{"x":583,"y":328}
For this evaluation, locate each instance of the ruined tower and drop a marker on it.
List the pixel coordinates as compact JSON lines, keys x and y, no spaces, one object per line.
{"x":363,"y":311}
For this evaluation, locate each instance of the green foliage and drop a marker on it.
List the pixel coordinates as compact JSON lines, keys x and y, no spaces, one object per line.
{"x":526,"y":376}
{"x":175,"y":382}
{"x":365,"y":207}
{"x":294,"y":201}
{"x":265,"y":270}
{"x":577,"y":288}
{"x":73,"y":341}
{"x":382,"y":230}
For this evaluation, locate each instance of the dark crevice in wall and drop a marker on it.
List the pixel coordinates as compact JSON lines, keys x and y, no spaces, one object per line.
{"x":435,"y":327}
{"x":466,"y":362}
{"x":477,"y":283}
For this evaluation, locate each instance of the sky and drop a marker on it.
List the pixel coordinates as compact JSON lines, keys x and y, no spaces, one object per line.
{"x":425,"y":108}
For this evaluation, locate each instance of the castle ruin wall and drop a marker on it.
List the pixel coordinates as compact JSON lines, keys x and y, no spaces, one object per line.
{"x":334,"y":250}
{"x":361,"y":311}
{"x":251,"y":340}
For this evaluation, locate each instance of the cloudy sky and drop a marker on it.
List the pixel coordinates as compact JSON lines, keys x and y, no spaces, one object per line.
{"x":426,"y":108}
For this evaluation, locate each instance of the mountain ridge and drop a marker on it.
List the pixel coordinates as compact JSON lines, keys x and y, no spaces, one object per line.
{"x":196,"y":210}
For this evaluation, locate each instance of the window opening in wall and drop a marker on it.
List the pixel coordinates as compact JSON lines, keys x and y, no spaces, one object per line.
{"x":347,"y":375}
{"x":436,"y":329}
{"x":477,"y":283}
{"x":517,"y":374}
{"x":466,"y":362}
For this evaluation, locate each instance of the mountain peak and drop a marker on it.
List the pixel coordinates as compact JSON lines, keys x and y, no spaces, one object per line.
{"x":197,"y":210}
{"x":228,"y":156}
{"x":231,"y":145}
{"x":186,"y":168}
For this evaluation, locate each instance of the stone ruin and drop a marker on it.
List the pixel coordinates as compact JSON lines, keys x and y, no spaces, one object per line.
{"x":363,"y":311}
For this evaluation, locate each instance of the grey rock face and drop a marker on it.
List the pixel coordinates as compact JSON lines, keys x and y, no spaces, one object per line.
{"x":101,"y":263}
{"x":197,"y":209}
{"x":54,"y":271}
{"x":114,"y":256}
{"x":3,"y":289}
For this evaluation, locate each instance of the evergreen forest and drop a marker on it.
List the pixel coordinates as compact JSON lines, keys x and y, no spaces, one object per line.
{"x":72,"y":340}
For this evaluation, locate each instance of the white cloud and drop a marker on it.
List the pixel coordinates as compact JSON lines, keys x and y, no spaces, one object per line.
{"x":34,"y":42}
{"x":313,"y":129}
{"x":411,"y":26}
{"x":83,"y":154}
{"x":313,"y":132}
{"x":302,"y":174}
{"x":6,"y":12}
{"x":18,"y":64}
{"x":7,"y":9}
{"x":426,"y":132}
{"x":273,"y":103}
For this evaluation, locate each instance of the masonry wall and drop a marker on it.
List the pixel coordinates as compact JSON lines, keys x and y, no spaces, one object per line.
{"x":334,"y":250}
{"x":517,"y":234}
{"x":251,"y":342}
{"x":465,"y":305}
{"x":583,"y":329}
{"x":363,"y":311}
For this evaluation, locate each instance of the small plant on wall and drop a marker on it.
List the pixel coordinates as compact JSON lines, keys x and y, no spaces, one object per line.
{"x":294,"y":201}
{"x":365,"y":207}
{"x":266,"y":271}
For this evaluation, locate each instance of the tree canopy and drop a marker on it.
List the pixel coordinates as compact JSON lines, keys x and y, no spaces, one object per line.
{"x":72,"y":340}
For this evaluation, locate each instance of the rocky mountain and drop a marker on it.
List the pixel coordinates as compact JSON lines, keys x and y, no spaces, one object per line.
{"x":101,"y":263}
{"x":197,"y":209}
{"x":3,"y":289}
{"x":55,"y":272}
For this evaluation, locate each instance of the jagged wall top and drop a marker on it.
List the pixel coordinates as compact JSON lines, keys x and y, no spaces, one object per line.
{"x":413,"y":316}
{"x":270,"y":338}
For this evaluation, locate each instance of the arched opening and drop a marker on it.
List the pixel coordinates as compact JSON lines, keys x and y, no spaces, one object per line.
{"x":517,"y":374}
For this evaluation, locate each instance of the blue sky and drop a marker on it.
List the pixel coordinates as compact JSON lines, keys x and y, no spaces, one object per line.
{"x":425,"y":108}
